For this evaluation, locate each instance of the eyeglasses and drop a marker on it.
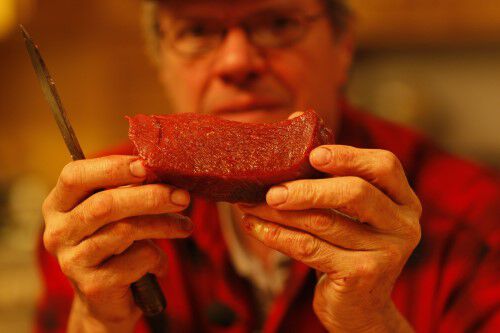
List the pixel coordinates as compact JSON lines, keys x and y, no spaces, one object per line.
{"x":194,"y":37}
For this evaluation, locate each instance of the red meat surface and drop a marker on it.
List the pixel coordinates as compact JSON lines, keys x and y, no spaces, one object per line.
{"x":224,"y":160}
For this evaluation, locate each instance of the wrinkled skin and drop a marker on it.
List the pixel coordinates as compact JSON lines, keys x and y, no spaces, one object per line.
{"x":361,"y":252}
{"x":97,"y":236}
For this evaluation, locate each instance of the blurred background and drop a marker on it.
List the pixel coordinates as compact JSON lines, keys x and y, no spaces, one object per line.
{"x":432,"y":65}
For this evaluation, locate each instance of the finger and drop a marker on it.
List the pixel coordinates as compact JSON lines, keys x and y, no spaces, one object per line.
{"x":80,"y":178}
{"x":301,"y":246}
{"x":141,"y":258}
{"x":379,"y":167}
{"x":117,"y":237}
{"x":120,"y":203}
{"x":352,"y":196}
{"x":295,"y":114}
{"x":119,"y":272}
{"x":326,"y":224}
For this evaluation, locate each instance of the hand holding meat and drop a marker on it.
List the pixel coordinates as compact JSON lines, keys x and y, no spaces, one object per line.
{"x":99,"y":220}
{"x":357,"y":228}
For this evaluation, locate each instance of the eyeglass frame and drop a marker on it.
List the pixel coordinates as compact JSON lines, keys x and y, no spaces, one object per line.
{"x":305,"y":21}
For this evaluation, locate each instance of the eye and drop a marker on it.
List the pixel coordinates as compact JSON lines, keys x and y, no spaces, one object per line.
{"x":194,"y":30}
{"x":282,"y":22}
{"x":276,"y":29}
{"x":193,"y":37}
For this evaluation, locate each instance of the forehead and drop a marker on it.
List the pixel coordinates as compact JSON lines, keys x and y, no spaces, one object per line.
{"x":234,"y":8}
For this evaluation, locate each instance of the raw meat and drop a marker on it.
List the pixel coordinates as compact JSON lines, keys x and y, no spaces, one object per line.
{"x":224,"y":160}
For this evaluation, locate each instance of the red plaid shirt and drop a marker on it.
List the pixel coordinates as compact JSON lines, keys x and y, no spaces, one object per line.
{"x":450,"y":283}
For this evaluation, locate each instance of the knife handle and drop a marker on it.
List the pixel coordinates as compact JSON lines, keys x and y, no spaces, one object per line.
{"x":148,"y":295}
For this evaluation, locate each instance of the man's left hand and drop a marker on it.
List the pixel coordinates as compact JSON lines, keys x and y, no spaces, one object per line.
{"x":357,"y":228}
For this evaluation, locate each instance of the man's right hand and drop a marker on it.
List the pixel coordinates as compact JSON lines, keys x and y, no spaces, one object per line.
{"x":99,"y":222}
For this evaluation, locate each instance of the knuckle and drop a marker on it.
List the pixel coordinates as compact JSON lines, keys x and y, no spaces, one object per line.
{"x":415,"y":234}
{"x":91,"y":247}
{"x":347,"y":155}
{"x":389,"y":162}
{"x":46,"y":208}
{"x":418,"y":232}
{"x":102,"y":206}
{"x":318,"y":223}
{"x":72,"y":175}
{"x":305,"y":190}
{"x":307,"y":247}
{"x":66,"y":263}
{"x":417,"y":206}
{"x":49,"y":243}
{"x":124,"y":229}
{"x":152,"y":258}
{"x":125,"y":235}
{"x":156,"y":197}
{"x":52,"y":239}
{"x":410,"y":229}
{"x":109,"y":169}
{"x":356,"y":191}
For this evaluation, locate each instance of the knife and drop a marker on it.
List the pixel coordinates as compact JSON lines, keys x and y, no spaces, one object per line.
{"x":146,"y":291}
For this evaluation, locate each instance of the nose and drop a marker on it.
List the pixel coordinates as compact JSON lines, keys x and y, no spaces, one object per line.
{"x":238,"y":61}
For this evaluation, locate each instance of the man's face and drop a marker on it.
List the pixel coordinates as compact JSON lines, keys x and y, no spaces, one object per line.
{"x":242,"y":81}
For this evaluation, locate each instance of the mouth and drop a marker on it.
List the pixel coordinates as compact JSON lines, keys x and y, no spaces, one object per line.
{"x":248,"y":111}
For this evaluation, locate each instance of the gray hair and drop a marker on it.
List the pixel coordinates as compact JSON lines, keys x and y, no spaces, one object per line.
{"x":338,"y":11}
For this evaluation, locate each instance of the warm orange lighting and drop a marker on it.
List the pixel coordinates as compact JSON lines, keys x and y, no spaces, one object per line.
{"x":7,"y":16}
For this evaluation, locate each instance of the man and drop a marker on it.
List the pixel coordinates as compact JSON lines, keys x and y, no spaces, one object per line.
{"x":346,"y":238}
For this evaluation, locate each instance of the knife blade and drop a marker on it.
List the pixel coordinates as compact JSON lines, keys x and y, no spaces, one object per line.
{"x":52,"y":97}
{"x":146,"y":291}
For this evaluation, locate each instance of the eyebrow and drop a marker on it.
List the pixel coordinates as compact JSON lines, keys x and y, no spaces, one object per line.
{"x":260,"y":12}
{"x":181,"y":12}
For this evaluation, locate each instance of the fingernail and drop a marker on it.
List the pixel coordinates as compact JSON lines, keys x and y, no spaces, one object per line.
{"x":296,"y":114}
{"x":180,"y":197}
{"x":321,"y":156}
{"x":138,"y":169}
{"x":277,"y":195}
